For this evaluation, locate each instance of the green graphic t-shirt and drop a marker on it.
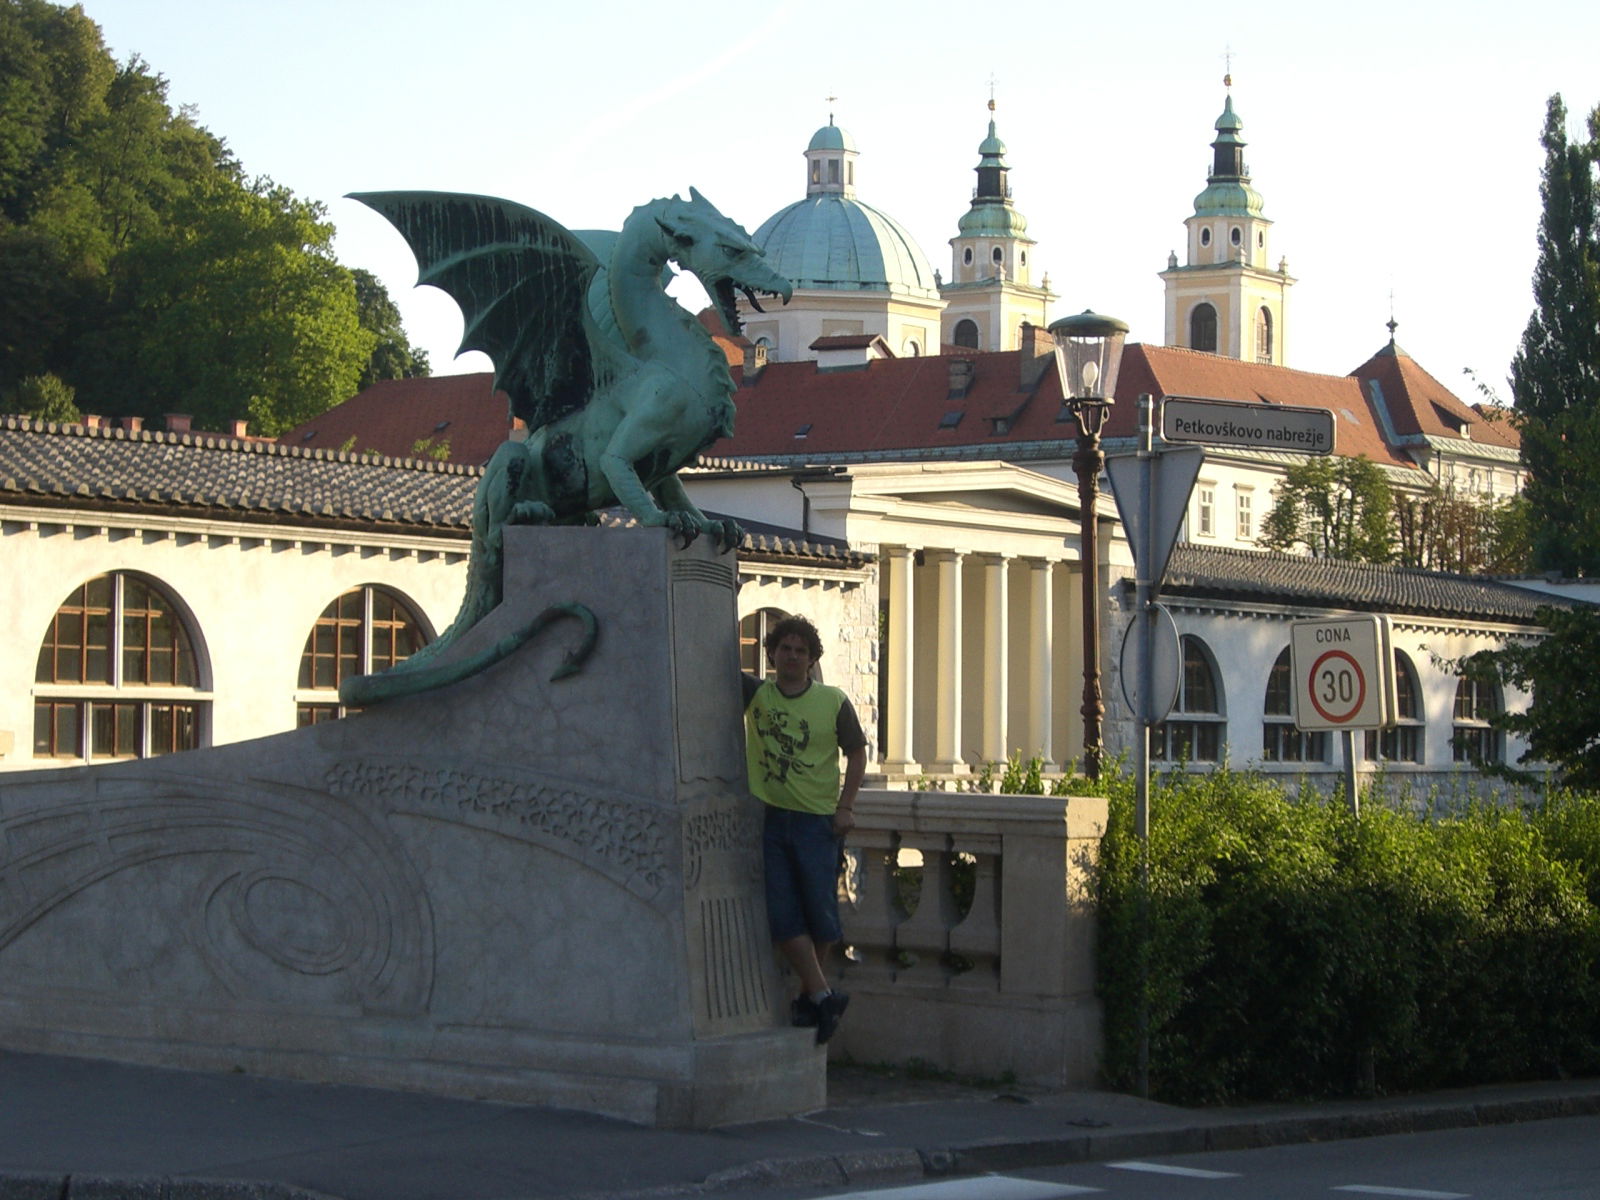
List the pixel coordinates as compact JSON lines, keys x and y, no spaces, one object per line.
{"x":792,"y":745}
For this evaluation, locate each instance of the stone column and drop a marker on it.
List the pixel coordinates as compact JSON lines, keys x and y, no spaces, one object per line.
{"x":948,"y":675}
{"x":996,"y":648}
{"x":1041,"y":652}
{"x":897,"y":568}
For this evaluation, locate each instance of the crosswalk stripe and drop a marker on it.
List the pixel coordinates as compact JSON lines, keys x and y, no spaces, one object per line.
{"x":980,"y":1187}
{"x":1162,"y":1169}
{"x":1414,"y":1193}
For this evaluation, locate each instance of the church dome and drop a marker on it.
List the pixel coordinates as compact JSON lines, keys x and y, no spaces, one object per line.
{"x":830,"y":241}
{"x":831,"y":137}
{"x":833,"y":242}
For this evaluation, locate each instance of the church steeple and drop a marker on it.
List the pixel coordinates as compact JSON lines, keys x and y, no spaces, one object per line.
{"x":990,"y":292}
{"x":1227,"y":298}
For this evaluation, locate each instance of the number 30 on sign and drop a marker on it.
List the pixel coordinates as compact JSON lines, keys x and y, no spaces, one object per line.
{"x":1343,"y":673}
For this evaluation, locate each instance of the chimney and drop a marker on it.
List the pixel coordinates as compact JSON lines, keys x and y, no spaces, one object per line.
{"x":133,"y":424}
{"x":1037,"y":355}
{"x":755,"y":362}
{"x":179,"y":422}
{"x":93,"y":421}
{"x":239,"y":428}
{"x":961,"y":372}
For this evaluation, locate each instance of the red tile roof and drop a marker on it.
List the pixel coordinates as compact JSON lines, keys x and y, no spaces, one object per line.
{"x":1418,"y":403}
{"x":907,"y":406}
{"x":392,"y":415}
{"x":1173,"y":371}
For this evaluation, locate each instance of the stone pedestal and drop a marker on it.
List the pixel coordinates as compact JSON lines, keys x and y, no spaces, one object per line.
{"x":511,"y":888}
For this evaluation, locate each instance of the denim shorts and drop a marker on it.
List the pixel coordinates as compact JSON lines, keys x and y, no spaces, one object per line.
{"x":802,"y":863}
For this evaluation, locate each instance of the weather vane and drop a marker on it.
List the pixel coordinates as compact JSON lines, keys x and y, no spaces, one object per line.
{"x":1227,"y":66}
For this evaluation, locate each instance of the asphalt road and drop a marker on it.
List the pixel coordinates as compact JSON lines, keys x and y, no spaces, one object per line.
{"x":1537,"y":1160}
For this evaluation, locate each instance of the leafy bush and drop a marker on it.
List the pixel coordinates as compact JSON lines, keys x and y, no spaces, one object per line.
{"x":1296,"y":951}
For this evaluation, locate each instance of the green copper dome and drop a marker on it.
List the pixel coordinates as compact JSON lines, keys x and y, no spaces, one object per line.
{"x":992,"y":220}
{"x":1228,"y":192}
{"x":833,"y":242}
{"x":831,"y":137}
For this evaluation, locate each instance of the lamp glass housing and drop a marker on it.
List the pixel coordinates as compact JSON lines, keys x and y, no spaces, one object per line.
{"x":1088,"y":355}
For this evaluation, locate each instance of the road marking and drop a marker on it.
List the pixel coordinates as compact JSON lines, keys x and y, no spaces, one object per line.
{"x":1415,"y":1193}
{"x":1161,"y":1169}
{"x":980,"y":1187}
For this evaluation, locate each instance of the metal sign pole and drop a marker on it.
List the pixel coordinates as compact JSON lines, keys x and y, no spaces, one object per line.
{"x":1145,"y":608}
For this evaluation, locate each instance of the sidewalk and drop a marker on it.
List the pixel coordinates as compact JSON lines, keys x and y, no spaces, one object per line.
{"x":87,"y":1130}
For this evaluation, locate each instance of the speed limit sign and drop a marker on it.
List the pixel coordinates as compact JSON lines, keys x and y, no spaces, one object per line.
{"x":1343,"y":673}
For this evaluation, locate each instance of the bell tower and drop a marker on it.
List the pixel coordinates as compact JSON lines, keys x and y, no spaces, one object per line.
{"x":991,"y":292}
{"x":1226,"y":298}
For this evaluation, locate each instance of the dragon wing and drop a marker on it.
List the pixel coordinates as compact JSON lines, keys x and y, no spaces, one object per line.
{"x":523,"y":283}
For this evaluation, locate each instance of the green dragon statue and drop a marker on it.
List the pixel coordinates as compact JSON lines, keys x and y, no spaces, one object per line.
{"x":618,"y":385}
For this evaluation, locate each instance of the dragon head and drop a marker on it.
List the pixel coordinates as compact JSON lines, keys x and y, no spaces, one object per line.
{"x":719,"y":253}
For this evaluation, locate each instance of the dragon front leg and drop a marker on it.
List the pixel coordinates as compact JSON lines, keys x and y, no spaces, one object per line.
{"x":670,"y":495}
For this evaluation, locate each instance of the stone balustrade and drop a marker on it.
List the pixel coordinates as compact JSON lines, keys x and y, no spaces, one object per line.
{"x":969,"y":931}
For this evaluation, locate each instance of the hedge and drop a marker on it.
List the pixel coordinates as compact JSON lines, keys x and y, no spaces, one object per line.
{"x":1297,"y":952}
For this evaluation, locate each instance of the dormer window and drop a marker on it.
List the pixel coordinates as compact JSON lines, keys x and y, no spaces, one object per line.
{"x":951,"y":419}
{"x":803,"y":430}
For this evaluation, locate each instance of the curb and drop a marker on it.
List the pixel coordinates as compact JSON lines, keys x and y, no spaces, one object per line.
{"x":909,"y":1166}
{"x":21,"y":1186}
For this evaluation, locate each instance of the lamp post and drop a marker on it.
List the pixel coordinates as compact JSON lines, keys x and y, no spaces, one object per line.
{"x":1088,"y":355}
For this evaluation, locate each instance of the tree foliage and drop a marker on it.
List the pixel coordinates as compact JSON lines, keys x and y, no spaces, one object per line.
{"x":144,"y":269}
{"x":1334,"y":507}
{"x":393,"y":357}
{"x":1555,"y":375}
{"x":1562,"y":724}
{"x":1444,"y":530}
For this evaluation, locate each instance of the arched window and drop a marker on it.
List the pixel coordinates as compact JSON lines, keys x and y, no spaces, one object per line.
{"x":753,"y":632}
{"x":1280,"y":740}
{"x":1203,"y":328}
{"x":1471,"y":738}
{"x":1263,"y":335}
{"x":367,"y":629}
{"x":966,"y":333}
{"x":997,"y":255}
{"x":966,"y":257}
{"x":1403,"y":743}
{"x":117,"y":675}
{"x":1193,"y":733}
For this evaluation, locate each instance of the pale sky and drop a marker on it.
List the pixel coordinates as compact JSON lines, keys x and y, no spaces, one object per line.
{"x":1395,"y":144}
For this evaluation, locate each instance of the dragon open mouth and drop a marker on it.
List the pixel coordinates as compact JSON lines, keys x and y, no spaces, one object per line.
{"x":726,"y":305}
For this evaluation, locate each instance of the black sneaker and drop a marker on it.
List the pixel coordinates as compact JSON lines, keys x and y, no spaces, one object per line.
{"x":802,"y":1012}
{"x":829,"y":1011}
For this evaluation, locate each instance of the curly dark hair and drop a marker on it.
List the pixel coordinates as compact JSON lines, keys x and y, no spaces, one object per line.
{"x":794,"y":627}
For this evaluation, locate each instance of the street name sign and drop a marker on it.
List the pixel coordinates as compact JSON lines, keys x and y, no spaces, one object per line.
{"x":1258,"y":426}
{"x":1343,"y":673}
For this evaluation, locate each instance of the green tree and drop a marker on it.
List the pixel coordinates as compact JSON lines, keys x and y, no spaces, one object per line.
{"x":393,"y":357}
{"x":141,"y":266}
{"x":1444,"y":530}
{"x":1334,"y":507}
{"x":1559,"y":670}
{"x":1555,"y":375}
{"x":44,"y":397}
{"x":238,"y":309}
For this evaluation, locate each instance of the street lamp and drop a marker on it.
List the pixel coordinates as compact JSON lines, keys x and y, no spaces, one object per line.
{"x":1088,"y":355}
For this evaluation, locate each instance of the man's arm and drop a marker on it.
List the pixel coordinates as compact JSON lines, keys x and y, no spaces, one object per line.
{"x":855,"y":768}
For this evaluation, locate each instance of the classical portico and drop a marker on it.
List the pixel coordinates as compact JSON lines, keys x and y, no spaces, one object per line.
{"x":977,"y":571}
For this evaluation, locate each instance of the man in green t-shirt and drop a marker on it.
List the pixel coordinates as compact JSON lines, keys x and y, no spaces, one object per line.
{"x":795,"y":730}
